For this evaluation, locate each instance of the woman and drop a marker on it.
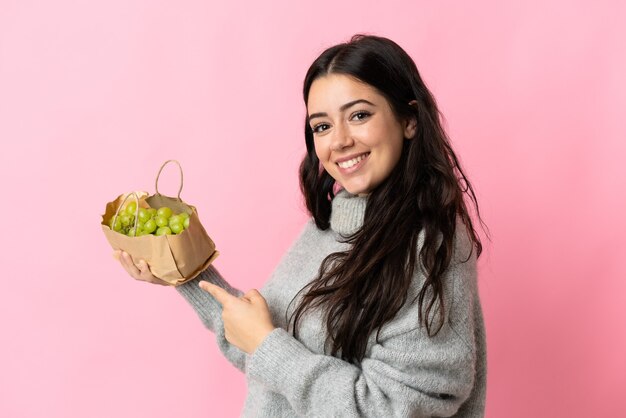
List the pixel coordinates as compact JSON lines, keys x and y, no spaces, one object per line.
{"x":350,"y":323}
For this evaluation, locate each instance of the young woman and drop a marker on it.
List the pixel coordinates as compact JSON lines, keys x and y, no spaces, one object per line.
{"x":374,"y":310}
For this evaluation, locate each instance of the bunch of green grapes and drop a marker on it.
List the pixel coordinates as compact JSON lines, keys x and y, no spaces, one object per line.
{"x":161,"y":221}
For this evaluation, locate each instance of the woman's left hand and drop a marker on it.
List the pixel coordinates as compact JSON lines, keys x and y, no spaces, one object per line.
{"x":247,"y":319}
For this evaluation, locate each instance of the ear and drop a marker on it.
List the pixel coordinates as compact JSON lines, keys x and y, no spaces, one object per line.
{"x":410,"y":126}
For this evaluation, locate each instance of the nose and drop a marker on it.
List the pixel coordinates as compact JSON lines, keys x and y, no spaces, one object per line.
{"x":341,"y":138}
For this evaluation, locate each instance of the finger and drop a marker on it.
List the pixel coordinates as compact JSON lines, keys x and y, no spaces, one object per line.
{"x":217,"y":292}
{"x":123,"y":261}
{"x":139,"y":265}
{"x":253,"y":295}
{"x":127,"y":261}
{"x":143,"y":267}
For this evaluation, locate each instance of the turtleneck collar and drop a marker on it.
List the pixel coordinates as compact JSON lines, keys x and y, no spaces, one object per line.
{"x":348,"y":212}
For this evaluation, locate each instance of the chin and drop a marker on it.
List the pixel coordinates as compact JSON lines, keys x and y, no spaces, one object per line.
{"x":357,"y":190}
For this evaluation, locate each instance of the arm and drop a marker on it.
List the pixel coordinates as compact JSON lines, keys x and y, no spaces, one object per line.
{"x":405,"y":374}
{"x":210,"y":311}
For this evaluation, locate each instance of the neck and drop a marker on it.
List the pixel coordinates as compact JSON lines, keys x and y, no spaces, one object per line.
{"x":348,"y":212}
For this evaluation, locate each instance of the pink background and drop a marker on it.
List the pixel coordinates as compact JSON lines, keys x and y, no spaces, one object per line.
{"x":94,"y":96}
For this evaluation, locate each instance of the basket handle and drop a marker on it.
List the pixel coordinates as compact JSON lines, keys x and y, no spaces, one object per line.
{"x":156,"y":183}
{"x":117,"y":212}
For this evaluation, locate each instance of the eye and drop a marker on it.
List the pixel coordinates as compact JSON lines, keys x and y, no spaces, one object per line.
{"x":317,"y":126}
{"x":363,"y":113}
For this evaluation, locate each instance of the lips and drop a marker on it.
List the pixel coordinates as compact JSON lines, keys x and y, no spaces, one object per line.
{"x":353,"y":165}
{"x":351,"y":160}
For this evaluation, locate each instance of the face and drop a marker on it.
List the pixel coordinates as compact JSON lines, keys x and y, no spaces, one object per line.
{"x":358,"y":139}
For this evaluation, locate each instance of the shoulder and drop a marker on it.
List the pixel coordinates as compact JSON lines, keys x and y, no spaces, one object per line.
{"x":463,"y":243}
{"x":462,"y":240}
{"x":463,"y":247}
{"x":458,"y":284}
{"x":463,"y":270}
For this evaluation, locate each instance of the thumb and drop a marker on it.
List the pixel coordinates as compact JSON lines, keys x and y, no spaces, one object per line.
{"x":254,"y":295}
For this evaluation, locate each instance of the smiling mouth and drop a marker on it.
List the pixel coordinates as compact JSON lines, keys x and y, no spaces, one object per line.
{"x":353,"y":162}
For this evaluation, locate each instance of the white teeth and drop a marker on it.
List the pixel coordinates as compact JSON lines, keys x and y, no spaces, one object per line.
{"x":352,"y":162}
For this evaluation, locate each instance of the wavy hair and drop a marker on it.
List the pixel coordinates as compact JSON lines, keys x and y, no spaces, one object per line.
{"x":362,"y":288}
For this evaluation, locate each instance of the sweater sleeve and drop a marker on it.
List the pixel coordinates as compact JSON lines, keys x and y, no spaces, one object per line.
{"x":404,"y":374}
{"x":210,"y":311}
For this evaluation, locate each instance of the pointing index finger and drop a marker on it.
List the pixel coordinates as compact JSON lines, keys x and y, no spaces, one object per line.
{"x":217,"y":292}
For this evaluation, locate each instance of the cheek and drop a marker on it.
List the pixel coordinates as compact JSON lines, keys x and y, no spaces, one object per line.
{"x":317,"y":150}
{"x":321,"y":152}
{"x":397,"y":150}
{"x":393,"y":157}
{"x":389,"y":156}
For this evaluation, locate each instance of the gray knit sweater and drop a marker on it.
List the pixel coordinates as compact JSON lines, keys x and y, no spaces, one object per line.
{"x":405,"y":374}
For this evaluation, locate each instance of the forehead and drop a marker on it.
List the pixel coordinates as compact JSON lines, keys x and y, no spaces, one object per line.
{"x":329,"y":92}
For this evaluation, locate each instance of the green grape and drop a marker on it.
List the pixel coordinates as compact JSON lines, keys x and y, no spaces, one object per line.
{"x":117,"y":226}
{"x":150,"y":226}
{"x":184,"y":215}
{"x":131,"y":232}
{"x":177,"y":228}
{"x":144,"y":215}
{"x":161,"y":221}
{"x":152,"y":212}
{"x":164,"y":211}
{"x":175,"y":219}
{"x":186,"y":223}
{"x":131,"y":208}
{"x":164,"y":230}
{"x":126,"y":219}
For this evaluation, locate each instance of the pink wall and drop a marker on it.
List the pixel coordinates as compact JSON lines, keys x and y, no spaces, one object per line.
{"x":95,"y":95}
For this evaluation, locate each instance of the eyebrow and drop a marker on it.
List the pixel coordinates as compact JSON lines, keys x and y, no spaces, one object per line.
{"x":342,"y":108}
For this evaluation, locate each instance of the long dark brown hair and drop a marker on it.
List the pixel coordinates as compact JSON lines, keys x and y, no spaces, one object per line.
{"x":364,"y":287}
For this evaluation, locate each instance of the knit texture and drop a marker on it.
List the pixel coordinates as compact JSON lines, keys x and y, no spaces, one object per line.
{"x":404,"y":374}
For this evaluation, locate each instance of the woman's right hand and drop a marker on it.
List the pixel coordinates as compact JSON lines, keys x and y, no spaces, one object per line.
{"x":139,"y":271}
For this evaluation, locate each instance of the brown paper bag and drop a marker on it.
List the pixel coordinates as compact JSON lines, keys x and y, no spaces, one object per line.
{"x":175,"y":259}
